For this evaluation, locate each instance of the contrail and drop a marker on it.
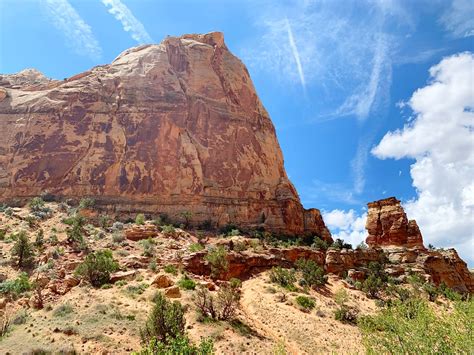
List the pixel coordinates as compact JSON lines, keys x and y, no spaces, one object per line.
{"x":129,"y":22}
{"x":295,"y":52}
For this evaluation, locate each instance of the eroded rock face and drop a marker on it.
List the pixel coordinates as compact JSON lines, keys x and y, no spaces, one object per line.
{"x":166,"y":128}
{"x":387,"y":224}
{"x":390,"y":231}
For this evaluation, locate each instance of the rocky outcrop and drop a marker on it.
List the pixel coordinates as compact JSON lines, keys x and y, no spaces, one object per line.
{"x":387,"y":224}
{"x":167,"y":128}
{"x":401,"y":241}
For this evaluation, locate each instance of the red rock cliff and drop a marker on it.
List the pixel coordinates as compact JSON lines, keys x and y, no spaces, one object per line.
{"x":164,"y":128}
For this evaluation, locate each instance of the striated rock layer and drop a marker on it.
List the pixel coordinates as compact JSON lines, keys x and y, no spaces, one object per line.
{"x":169,"y":128}
{"x":390,"y":231}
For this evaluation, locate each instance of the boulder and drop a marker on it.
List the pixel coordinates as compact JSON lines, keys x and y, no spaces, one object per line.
{"x":122,"y":275}
{"x":162,"y":281}
{"x":173,"y":292}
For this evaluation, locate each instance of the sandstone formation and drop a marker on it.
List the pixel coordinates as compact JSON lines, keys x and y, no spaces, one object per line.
{"x":168,"y":128}
{"x":387,"y":224}
{"x":390,"y":231}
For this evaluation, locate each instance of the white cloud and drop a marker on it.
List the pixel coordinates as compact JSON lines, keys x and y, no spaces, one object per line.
{"x":440,"y":138}
{"x":458,"y":19}
{"x":346,"y":225}
{"x":78,"y":33}
{"x":129,"y":22}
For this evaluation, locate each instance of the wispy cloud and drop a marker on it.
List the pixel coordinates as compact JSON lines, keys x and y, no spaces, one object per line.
{"x":358,"y":164}
{"x":129,"y":22}
{"x":362,"y":101}
{"x":77,"y":32}
{"x":458,"y":19}
{"x":344,"y":57}
{"x":296,"y":54}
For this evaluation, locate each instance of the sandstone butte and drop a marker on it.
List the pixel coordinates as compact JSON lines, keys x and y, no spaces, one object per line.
{"x":167,"y":128}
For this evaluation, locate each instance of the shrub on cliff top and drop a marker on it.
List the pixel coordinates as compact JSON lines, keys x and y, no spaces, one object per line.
{"x":217,"y":258}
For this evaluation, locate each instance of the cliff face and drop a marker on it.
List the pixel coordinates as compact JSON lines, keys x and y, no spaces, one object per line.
{"x":390,"y":231}
{"x":164,"y":128}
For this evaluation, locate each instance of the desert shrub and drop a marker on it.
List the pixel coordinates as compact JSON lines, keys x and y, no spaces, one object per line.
{"x":399,"y":292}
{"x":140,"y":219}
{"x":39,"y":240}
{"x":22,"y":250}
{"x":376,"y":280}
{"x":165,"y":322}
{"x":138,"y":289}
{"x":170,"y":269}
{"x":305,"y":302}
{"x":149,"y":246}
{"x":235,"y":282}
{"x":239,"y":247}
{"x":320,"y":244}
{"x":8,"y":211}
{"x":169,"y":230}
{"x":346,"y":314}
{"x":179,"y":345}
{"x":16,"y":286}
{"x":362,"y":246}
{"x":153,"y":266}
{"x":233,"y":233}
{"x":75,"y":231}
{"x":206,"y":225}
{"x":195,"y":247}
{"x":36,"y":204}
{"x":63,"y":310}
{"x":3,"y":233}
{"x":449,"y":293}
{"x":86,"y":202}
{"x":283,"y":277}
{"x":340,"y":244}
{"x":413,"y":327}
{"x":416,"y":280}
{"x":341,"y":297}
{"x":186,"y":216}
{"x":118,"y":237}
{"x":187,"y":283}
{"x":97,"y":266}
{"x":220,"y":307}
{"x":217,"y":258}
{"x":313,"y":274}
{"x":228,"y":228}
{"x":104,"y":221}
{"x":431,"y":290}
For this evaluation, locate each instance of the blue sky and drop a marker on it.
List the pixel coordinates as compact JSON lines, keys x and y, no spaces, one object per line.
{"x":339,"y":78}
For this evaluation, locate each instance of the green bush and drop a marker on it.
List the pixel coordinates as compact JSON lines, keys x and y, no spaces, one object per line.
{"x":140,"y":219}
{"x":149,"y":246}
{"x":86,"y":202}
{"x":104,"y":221}
{"x":39,"y":241}
{"x":165,"y":322}
{"x":195,"y":247}
{"x":168,"y":230}
{"x":413,"y":327}
{"x":313,"y":274}
{"x":431,"y":290}
{"x":283,"y":277}
{"x":179,"y":345}
{"x":320,"y":244}
{"x":75,"y":231}
{"x":235,"y":282}
{"x":217,"y":258}
{"x":305,"y":302}
{"x":186,"y":283}
{"x":340,"y":244}
{"x":449,"y":293}
{"x":22,"y":250}
{"x":17,"y":286}
{"x":346,"y":314}
{"x":36,"y":204}
{"x":97,"y":266}
{"x":170,"y":269}
{"x":63,"y":310}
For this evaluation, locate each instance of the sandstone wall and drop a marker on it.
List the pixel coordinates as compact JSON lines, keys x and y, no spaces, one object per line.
{"x":169,"y":128}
